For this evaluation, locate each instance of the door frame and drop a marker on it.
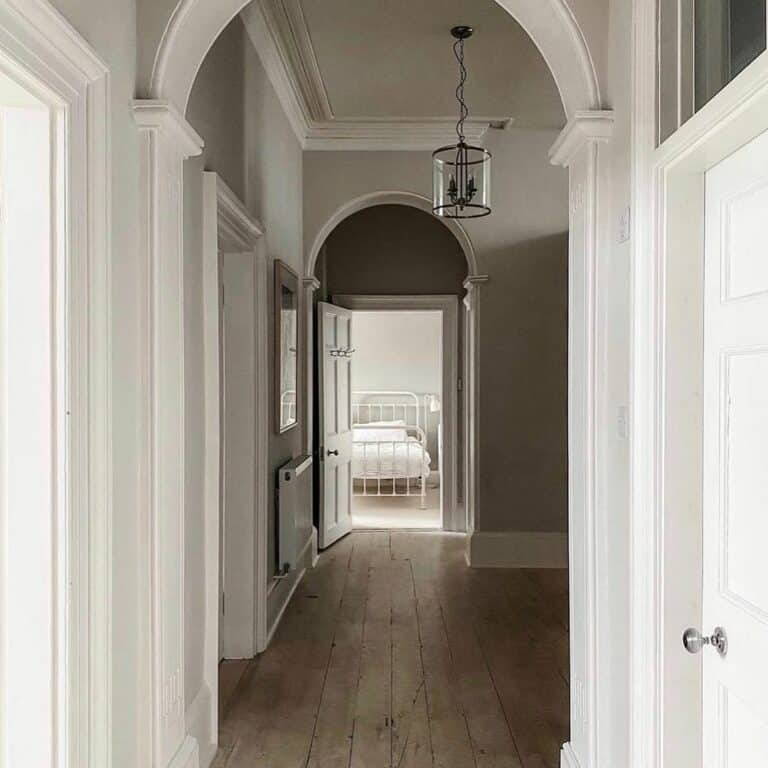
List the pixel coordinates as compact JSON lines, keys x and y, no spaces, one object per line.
{"x":41,"y":51}
{"x":228,"y":227}
{"x":454,"y":517}
{"x":668,"y":250}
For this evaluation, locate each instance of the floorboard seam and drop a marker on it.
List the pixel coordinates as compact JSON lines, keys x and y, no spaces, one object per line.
{"x":453,"y":665}
{"x":328,"y":663}
{"x":498,"y":695}
{"x":421,"y":657}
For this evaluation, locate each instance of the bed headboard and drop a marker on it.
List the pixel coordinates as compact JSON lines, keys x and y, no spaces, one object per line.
{"x":387,"y":405}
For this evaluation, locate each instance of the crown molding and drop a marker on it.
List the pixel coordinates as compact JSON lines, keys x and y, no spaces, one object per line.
{"x":584,"y":127}
{"x":396,"y":133}
{"x":279,"y":33}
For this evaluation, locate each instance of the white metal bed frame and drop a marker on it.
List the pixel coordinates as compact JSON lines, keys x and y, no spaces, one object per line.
{"x":368,"y":411}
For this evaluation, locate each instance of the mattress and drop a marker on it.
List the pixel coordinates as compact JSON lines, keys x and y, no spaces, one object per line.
{"x":388,"y":460}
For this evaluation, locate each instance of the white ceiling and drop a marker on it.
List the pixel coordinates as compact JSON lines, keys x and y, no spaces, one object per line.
{"x":388,"y":59}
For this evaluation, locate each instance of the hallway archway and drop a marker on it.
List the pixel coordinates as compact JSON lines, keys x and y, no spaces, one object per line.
{"x":168,"y":140}
{"x":193,"y":26}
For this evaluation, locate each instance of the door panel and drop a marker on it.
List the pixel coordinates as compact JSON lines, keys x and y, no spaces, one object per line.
{"x":735,"y":581}
{"x":335,"y":422}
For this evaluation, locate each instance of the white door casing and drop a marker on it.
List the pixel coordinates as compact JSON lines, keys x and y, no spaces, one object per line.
{"x":335,"y":421}
{"x":454,"y":517}
{"x":735,"y":485}
{"x":42,"y":51}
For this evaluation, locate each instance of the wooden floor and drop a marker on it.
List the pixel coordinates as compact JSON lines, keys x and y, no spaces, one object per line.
{"x":394,"y":654}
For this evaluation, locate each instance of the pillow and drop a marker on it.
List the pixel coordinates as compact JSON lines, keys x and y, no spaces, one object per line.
{"x":373,"y":432}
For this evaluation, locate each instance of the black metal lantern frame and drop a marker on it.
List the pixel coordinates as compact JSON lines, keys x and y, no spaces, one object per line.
{"x":461,"y":172}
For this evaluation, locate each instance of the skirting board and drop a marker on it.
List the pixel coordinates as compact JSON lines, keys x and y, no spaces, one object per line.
{"x":187,"y":755}
{"x":517,"y":549}
{"x":282,"y":590}
{"x":199,"y":719}
{"x":568,"y":757}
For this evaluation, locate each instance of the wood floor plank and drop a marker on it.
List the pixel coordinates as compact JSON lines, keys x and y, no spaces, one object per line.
{"x":371,"y":739}
{"x":411,"y":737}
{"x":394,"y":653}
{"x":332,"y":741}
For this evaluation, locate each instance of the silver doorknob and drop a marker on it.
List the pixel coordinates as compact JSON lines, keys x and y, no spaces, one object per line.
{"x":694,"y":641}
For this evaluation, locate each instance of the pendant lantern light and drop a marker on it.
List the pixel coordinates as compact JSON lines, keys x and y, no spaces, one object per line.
{"x":461,"y":173}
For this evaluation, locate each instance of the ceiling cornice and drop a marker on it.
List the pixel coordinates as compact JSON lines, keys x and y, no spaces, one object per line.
{"x":278,"y":31}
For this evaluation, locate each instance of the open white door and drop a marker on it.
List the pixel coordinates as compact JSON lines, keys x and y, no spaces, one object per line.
{"x":735,"y":583}
{"x":335,"y":417}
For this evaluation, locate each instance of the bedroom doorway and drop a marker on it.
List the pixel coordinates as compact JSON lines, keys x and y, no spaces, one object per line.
{"x":397,"y":375}
{"x":397,"y":419}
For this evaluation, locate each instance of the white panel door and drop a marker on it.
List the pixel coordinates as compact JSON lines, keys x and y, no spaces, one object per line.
{"x":335,"y":412}
{"x":735,"y":581}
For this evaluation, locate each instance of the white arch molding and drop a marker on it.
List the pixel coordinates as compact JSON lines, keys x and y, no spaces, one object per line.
{"x":194,"y":25}
{"x":192,"y":29}
{"x":387,"y":197}
{"x":471,"y":361}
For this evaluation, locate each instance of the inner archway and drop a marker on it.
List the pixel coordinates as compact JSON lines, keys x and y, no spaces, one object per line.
{"x":403,"y":275}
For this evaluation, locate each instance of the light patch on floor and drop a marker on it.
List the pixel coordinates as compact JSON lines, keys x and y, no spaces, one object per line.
{"x":381,"y":512}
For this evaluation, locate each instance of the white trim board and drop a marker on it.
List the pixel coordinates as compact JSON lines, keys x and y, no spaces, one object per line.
{"x":448,"y":305}
{"x":43,"y":53}
{"x":517,"y":549}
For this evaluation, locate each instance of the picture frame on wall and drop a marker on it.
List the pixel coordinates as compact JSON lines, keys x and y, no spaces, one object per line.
{"x":286,"y":304}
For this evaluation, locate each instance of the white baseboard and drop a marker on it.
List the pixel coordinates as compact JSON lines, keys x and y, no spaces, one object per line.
{"x":315,"y":547}
{"x":517,"y":549}
{"x":283,"y":589}
{"x":187,"y":755}
{"x":199,"y":719}
{"x":568,"y":757}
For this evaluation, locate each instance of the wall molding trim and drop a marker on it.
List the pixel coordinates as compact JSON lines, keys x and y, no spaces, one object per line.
{"x":199,"y":725}
{"x":188,"y":755}
{"x":584,"y":126}
{"x":517,"y":549}
{"x":568,"y":757}
{"x":237,"y":229}
{"x":165,"y":141}
{"x":278,"y":30}
{"x":581,"y":147}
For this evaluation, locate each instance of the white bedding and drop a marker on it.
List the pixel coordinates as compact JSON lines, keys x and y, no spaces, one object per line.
{"x":401,"y":460}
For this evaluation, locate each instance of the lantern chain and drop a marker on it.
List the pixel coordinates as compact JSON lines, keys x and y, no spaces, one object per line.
{"x":458,"y":52}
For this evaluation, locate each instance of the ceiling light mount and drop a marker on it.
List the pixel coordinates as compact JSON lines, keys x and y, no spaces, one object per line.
{"x":462,"y":32}
{"x":461,"y":173}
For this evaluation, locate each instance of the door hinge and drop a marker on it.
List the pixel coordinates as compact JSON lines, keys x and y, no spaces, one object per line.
{"x":460,"y":384}
{"x":223,"y":603}
{"x":222,"y":294}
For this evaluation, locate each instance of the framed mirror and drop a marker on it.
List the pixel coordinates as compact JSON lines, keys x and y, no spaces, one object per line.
{"x":286,"y":346}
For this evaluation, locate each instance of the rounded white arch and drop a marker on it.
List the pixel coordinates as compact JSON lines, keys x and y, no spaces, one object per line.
{"x":387,"y":198}
{"x":194,"y":25}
